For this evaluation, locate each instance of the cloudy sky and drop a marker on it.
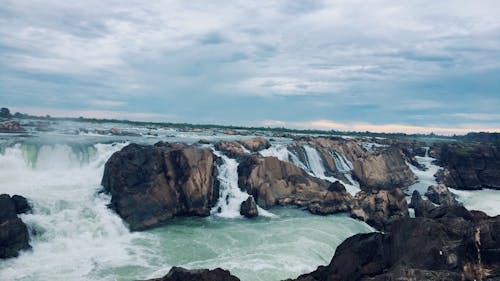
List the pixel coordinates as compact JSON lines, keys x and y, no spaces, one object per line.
{"x":411,"y":66}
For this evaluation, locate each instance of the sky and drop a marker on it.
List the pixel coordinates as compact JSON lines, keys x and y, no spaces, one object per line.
{"x":388,"y":66}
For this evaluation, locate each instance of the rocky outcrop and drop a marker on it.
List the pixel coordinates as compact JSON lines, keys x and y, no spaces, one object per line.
{"x":182,"y":274}
{"x":441,"y":195}
{"x":152,"y":184}
{"x":384,"y":170}
{"x":248,"y":208}
{"x":11,"y":127}
{"x":14,"y":235}
{"x":255,"y":144}
{"x":380,"y":208}
{"x":468,"y":166}
{"x":448,"y":248}
{"x":274,"y":182}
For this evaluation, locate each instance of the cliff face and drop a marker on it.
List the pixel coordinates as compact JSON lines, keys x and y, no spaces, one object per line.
{"x":151,"y":184}
{"x":468,"y":166}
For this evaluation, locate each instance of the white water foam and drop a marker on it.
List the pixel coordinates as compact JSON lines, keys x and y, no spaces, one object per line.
{"x":77,"y":236}
{"x":230,"y":195}
{"x":316,"y":168}
{"x":279,"y":151}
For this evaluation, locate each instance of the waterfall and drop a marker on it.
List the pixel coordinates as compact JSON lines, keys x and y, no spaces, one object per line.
{"x":316,"y":168}
{"x":77,"y":236}
{"x":230,"y":195}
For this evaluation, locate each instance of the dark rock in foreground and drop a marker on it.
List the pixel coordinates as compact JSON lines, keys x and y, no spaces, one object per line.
{"x":249,"y":208}
{"x":449,"y":248}
{"x":380,"y":208}
{"x":13,"y":232}
{"x":181,"y":274}
{"x":152,"y":184}
{"x":468,"y":166}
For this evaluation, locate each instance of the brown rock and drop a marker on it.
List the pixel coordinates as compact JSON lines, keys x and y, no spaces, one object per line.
{"x":255,"y":144}
{"x":380,"y":208}
{"x":248,"y":208}
{"x":151,"y":184}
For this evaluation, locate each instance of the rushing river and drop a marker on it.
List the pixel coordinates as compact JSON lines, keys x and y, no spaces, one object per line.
{"x":76,"y":237}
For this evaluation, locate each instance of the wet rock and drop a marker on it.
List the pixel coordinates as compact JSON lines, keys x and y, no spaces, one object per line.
{"x":380,"y":208}
{"x":468,"y":165}
{"x":21,"y":203}
{"x":274,"y":182}
{"x":441,"y":195}
{"x":448,"y":248}
{"x":182,"y":274}
{"x":152,"y":184}
{"x":248,"y":208}
{"x":426,"y":209}
{"x":255,"y":144}
{"x":11,"y":127}
{"x":14,"y":235}
{"x":422,"y":207}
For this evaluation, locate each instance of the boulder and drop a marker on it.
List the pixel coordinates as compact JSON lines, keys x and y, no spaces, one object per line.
{"x":380,"y":208}
{"x":14,"y":235}
{"x":21,"y":203}
{"x":248,"y":208}
{"x":468,"y":165}
{"x":449,"y":248}
{"x":150,"y":184}
{"x":384,"y":170}
{"x":11,"y":127}
{"x":255,"y":144}
{"x":274,"y":182}
{"x":441,"y":195}
{"x":182,"y":274}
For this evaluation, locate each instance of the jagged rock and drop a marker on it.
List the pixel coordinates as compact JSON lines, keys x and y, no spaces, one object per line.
{"x":424,"y":208}
{"x":380,"y":208}
{"x":274,"y":182}
{"x":439,"y":194}
{"x":248,"y":208}
{"x":255,"y":144}
{"x":182,"y":274}
{"x":468,"y":166}
{"x":449,"y":248}
{"x":151,"y":184}
{"x":11,"y":127}
{"x":13,"y":232}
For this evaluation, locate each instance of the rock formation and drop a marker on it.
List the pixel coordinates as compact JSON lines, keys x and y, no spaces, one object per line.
{"x":255,"y":144}
{"x":14,"y":235}
{"x":182,"y":274}
{"x":468,"y":166}
{"x":447,"y":248}
{"x":274,"y":182}
{"x":380,"y":208}
{"x":441,"y":195}
{"x":248,"y":208}
{"x":151,"y":184}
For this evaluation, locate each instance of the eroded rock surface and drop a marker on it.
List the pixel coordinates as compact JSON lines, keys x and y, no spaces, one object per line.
{"x":151,"y":184}
{"x":248,"y":208}
{"x":380,"y":208}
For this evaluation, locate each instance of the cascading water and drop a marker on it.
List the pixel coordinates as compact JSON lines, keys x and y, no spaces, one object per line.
{"x":316,"y":168}
{"x":76,"y":237}
{"x":230,"y":195}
